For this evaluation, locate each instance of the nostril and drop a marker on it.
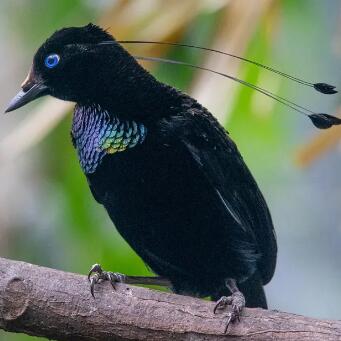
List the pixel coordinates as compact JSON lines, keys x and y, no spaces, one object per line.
{"x":27,"y":83}
{"x":26,"y":80}
{"x":26,"y":86}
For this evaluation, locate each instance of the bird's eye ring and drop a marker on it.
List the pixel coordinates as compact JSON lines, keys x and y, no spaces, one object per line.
{"x":52,"y":60}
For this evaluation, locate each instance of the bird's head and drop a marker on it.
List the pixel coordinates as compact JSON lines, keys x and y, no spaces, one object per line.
{"x":87,"y":65}
{"x":80,"y":64}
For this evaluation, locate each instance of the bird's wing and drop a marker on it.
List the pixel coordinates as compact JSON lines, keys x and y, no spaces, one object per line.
{"x":218,"y":158}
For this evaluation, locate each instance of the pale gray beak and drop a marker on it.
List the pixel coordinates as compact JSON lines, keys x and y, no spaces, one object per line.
{"x":31,"y":90}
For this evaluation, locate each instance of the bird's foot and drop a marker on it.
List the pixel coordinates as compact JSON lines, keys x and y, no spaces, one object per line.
{"x":96,"y":274}
{"x":237,"y":302}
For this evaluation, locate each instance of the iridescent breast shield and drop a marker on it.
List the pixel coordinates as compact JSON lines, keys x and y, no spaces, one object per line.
{"x":96,"y":133}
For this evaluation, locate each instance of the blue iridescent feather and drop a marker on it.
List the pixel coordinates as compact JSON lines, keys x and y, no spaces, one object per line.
{"x":96,"y":133}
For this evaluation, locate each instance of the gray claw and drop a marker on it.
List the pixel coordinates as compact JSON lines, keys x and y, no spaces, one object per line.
{"x":96,"y":268}
{"x":238,"y":302}
{"x":96,"y":274}
{"x":222,"y":303}
{"x":233,"y":316}
{"x":229,"y":320}
{"x":92,"y":286}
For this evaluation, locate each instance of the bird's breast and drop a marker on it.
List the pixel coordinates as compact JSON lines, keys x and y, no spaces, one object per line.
{"x":97,"y":133}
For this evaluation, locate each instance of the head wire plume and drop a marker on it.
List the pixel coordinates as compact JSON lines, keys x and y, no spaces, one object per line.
{"x":320,"y":120}
{"x":320,"y":87}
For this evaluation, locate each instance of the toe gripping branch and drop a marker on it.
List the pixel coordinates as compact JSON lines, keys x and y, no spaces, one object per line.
{"x":236,"y":300}
{"x":96,"y":274}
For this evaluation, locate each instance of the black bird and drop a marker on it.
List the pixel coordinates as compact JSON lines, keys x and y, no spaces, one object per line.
{"x":168,"y":174}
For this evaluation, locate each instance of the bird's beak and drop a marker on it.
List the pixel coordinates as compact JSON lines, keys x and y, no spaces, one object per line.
{"x":31,"y":90}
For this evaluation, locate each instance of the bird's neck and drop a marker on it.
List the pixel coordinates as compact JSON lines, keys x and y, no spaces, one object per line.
{"x":142,"y":100}
{"x":123,"y":86}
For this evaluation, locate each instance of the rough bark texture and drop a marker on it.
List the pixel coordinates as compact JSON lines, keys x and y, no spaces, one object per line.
{"x":58,"y":305}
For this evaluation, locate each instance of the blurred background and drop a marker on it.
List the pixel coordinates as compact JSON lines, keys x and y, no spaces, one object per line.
{"x":47,"y":213}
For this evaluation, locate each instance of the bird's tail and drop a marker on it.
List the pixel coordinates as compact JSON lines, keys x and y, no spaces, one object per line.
{"x":254,"y":293}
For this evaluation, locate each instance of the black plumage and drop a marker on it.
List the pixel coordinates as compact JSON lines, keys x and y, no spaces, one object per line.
{"x":182,"y":195}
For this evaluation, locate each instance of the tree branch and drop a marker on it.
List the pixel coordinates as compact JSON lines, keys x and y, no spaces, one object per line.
{"x":58,"y":305}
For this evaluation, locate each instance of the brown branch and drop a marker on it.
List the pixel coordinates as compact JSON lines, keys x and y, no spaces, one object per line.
{"x":58,"y":305}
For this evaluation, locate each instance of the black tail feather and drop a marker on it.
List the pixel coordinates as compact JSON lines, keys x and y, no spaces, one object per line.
{"x":254,"y":292}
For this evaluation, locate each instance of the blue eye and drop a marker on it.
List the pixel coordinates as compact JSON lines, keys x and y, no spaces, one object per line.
{"x":52,"y":60}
